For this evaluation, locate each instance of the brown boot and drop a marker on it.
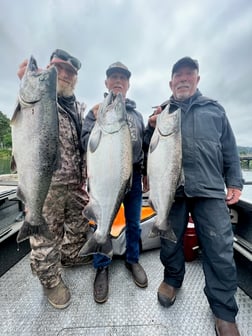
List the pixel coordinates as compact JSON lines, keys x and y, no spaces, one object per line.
{"x":101,"y":286}
{"x":225,"y":328}
{"x":138,"y":273}
{"x":166,"y":295}
{"x":59,"y":296}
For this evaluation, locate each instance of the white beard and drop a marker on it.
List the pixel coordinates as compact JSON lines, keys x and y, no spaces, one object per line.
{"x":66,"y":89}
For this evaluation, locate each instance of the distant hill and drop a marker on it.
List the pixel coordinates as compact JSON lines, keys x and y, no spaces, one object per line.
{"x":244,"y":150}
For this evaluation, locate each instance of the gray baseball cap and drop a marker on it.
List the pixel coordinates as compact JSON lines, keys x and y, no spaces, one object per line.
{"x":118,"y":67}
{"x":185,"y":61}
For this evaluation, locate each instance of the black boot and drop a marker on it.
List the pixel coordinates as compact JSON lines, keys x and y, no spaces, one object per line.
{"x":101,"y":285}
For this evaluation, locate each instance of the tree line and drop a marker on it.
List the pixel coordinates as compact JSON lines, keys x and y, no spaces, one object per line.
{"x":5,"y":132}
{"x":5,"y":136}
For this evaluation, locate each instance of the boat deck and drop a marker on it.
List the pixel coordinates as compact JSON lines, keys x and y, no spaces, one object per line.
{"x":129,"y":311}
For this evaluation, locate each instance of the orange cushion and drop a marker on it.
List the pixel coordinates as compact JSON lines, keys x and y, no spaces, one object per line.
{"x":119,"y":221}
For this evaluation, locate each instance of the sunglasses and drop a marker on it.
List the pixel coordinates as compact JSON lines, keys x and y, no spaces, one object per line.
{"x":59,"y":53}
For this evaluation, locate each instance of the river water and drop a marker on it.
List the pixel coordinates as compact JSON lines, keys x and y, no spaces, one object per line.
{"x":247,"y":175}
{"x":247,"y":189}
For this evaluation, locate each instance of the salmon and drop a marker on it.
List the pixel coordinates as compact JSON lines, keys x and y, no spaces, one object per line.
{"x":109,"y":170}
{"x":35,"y":145}
{"x":164,"y":170}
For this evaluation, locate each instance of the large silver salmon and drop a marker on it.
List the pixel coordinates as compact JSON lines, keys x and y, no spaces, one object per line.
{"x":109,"y":170}
{"x":35,"y":145}
{"x":164,"y":168}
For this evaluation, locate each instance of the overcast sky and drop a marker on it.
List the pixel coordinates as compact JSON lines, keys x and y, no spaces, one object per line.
{"x":149,"y":36}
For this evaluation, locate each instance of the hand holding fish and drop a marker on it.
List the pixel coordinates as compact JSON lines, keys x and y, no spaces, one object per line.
{"x":233,"y":195}
{"x":145,"y":184}
{"x":153,"y":117}
{"x":22,"y":68}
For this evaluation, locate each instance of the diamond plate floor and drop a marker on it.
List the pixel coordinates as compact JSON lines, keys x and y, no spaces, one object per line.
{"x":129,"y":311}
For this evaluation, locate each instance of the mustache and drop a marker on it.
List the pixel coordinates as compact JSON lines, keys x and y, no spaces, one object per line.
{"x":183,"y":85}
{"x":64,"y":80}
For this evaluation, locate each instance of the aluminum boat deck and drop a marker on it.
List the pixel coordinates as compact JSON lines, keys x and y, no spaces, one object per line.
{"x":129,"y":311}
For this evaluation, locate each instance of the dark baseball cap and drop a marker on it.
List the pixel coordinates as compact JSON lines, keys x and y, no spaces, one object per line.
{"x":185,"y":61}
{"x":118,"y":67}
{"x":61,"y":56}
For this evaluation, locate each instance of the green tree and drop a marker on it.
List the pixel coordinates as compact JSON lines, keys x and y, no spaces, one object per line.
{"x":5,"y":131}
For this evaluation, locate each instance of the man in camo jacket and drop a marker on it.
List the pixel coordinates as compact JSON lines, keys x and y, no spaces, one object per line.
{"x":67,"y":196}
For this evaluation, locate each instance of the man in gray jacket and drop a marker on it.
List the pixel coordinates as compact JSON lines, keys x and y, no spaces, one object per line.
{"x":117,"y":81}
{"x":210,"y":163}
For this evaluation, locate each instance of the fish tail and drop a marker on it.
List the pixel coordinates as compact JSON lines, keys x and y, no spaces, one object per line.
{"x":28,"y":230}
{"x":88,"y":213}
{"x":166,"y":234}
{"x":154,"y":232}
{"x":93,"y":247}
{"x":89,"y":247}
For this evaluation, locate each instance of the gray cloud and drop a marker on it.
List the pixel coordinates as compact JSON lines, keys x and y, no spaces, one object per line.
{"x":148,"y":36}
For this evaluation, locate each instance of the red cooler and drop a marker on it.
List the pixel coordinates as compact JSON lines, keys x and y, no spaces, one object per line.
{"x":191,"y":244}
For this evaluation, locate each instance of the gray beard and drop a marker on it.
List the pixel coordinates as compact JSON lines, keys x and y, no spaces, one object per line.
{"x":65,"y":90}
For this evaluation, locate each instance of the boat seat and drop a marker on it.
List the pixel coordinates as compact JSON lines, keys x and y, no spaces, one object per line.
{"x":119,"y":222}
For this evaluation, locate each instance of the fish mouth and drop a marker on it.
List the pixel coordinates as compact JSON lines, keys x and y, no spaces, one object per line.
{"x":116,"y":90}
{"x":111,"y":98}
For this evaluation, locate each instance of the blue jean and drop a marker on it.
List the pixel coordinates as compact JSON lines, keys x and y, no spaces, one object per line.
{"x":214,"y":230}
{"x":132,"y":211}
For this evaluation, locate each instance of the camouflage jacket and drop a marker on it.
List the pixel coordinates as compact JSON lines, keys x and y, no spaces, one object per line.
{"x":70,"y":163}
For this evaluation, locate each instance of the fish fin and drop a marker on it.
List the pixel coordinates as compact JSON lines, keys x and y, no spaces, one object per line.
{"x":13,"y":165}
{"x":89,"y":213}
{"x":154,"y":232}
{"x":181,"y":180}
{"x":16,"y":111}
{"x":154,"y":143}
{"x":151,"y":204}
{"x":32,"y":64}
{"x":92,"y":247}
{"x":89,"y":247}
{"x":168,"y":234}
{"x":128,"y":186}
{"x":20,"y":195}
{"x":95,"y":140}
{"x":28,"y":230}
{"x":95,"y":110}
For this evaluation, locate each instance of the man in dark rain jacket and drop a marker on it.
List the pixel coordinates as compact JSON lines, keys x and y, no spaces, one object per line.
{"x":210,"y":163}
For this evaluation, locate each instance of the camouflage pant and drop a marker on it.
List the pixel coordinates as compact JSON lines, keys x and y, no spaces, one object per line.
{"x":63,"y":213}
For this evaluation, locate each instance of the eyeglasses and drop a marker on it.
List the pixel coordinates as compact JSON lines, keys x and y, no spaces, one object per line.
{"x":59,"y":53}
